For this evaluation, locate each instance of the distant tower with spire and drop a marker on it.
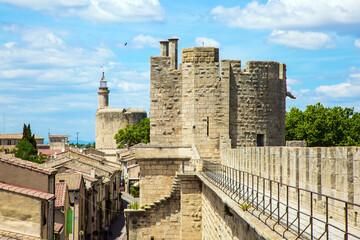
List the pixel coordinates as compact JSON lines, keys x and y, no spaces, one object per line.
{"x":103,"y":93}
{"x":109,"y":120}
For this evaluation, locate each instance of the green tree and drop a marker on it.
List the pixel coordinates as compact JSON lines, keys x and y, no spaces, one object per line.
{"x":321,"y":126}
{"x":134,"y":134}
{"x":26,"y":148}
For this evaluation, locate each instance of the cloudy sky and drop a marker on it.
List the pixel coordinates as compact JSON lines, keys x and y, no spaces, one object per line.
{"x":51,"y":52}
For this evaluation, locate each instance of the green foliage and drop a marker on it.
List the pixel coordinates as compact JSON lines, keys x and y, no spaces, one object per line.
{"x":26,"y":148}
{"x":135,"y":205}
{"x":134,"y":192}
{"x":27,"y":135}
{"x":245,"y":206}
{"x":134,"y":134}
{"x":321,"y":126}
{"x":89,"y":145}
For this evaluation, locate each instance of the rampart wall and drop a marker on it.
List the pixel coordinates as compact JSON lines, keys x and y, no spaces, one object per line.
{"x":332,"y":171}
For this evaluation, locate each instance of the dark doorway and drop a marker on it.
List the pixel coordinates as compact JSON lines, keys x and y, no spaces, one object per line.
{"x":260,"y":140}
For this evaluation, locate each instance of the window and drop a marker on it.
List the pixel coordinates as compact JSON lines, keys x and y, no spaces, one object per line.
{"x":260,"y":140}
{"x":207,"y":126}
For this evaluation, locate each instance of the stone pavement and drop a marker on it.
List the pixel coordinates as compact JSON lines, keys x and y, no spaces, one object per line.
{"x":335,"y":227}
{"x":117,"y":228}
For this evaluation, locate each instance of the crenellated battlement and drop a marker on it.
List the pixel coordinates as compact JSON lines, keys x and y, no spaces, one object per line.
{"x":195,"y":104}
{"x":200,"y":55}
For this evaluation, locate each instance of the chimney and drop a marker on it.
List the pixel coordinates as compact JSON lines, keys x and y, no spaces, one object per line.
{"x":173,"y":52}
{"x":164,"y":48}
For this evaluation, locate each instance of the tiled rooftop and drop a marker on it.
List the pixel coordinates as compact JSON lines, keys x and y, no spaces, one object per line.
{"x":73,"y":180}
{"x":15,"y":136}
{"x":9,"y":159}
{"x":49,"y":152}
{"x":26,"y":191}
{"x":7,"y":235}
{"x":60,"y":193}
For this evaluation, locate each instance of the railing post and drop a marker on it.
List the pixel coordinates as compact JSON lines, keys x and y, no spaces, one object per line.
{"x":327,"y":218}
{"x":298,"y":213}
{"x":346,"y":221}
{"x":311,"y":216}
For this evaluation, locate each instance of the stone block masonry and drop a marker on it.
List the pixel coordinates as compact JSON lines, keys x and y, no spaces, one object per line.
{"x":333,"y":171}
{"x":196,"y":105}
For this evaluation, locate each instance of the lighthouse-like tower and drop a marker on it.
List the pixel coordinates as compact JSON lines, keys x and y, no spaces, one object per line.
{"x":109,"y":120}
{"x":103,"y":93}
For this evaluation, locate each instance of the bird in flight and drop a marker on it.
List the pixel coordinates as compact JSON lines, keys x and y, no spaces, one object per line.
{"x":125,"y":44}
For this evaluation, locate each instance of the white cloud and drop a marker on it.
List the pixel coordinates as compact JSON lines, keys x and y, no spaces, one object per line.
{"x":357,"y":43}
{"x":9,"y":44}
{"x":283,"y":14}
{"x":98,"y":10}
{"x":206,"y":42}
{"x":302,"y":40}
{"x":140,"y":41}
{"x":291,"y":81}
{"x":41,"y":38}
{"x":129,"y":86}
{"x":348,"y":89}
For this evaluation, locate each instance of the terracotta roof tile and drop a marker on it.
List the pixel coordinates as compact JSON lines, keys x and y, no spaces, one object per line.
{"x":49,"y":152}
{"x":57,"y":227}
{"x":9,"y":159}
{"x":60,"y":193}
{"x":73,"y":180}
{"x":26,"y":191}
{"x":58,"y":136}
{"x":15,"y":136}
{"x":7,"y":235}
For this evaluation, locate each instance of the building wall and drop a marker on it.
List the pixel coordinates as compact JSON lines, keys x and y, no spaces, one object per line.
{"x":25,"y":177}
{"x":333,"y":171}
{"x":109,"y":120}
{"x":26,"y":220}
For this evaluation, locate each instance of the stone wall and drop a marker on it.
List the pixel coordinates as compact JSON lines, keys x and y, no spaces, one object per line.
{"x":191,"y":207}
{"x":158,"y":220}
{"x":165,"y":103}
{"x":332,"y":171}
{"x":257,"y":102}
{"x":195,"y":105}
{"x":109,"y":120}
{"x":25,"y":219}
{"x":225,"y":220}
{"x":157,"y":177}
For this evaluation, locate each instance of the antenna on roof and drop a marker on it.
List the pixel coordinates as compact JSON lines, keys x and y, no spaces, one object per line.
{"x":77,"y":138}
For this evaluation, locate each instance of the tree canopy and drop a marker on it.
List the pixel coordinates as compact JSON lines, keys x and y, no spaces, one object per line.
{"x":321,"y":126}
{"x":134,"y":134}
{"x":26,"y":148}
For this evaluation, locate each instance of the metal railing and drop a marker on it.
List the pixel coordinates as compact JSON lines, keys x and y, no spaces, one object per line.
{"x":290,"y":211}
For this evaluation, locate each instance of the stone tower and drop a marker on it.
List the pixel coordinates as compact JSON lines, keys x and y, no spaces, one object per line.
{"x":109,"y":120}
{"x":103,"y":93}
{"x":196,"y":105}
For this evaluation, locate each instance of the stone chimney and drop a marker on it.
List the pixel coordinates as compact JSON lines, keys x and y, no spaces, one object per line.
{"x":164,"y":48}
{"x":173,"y":52}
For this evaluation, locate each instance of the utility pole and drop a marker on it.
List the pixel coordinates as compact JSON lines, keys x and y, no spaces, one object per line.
{"x":77,"y":139}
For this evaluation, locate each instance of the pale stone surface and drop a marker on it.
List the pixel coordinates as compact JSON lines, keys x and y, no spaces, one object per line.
{"x":194,"y":105}
{"x":333,"y":171}
{"x":26,"y":220}
{"x":109,"y":120}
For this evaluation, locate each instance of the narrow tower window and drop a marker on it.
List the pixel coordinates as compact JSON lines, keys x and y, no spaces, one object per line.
{"x":207,"y":126}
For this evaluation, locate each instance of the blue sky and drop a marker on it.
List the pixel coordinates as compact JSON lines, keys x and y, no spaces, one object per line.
{"x":51,"y":52}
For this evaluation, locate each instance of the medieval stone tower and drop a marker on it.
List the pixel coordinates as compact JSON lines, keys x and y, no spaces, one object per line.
{"x":109,"y":120}
{"x":199,"y":102}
